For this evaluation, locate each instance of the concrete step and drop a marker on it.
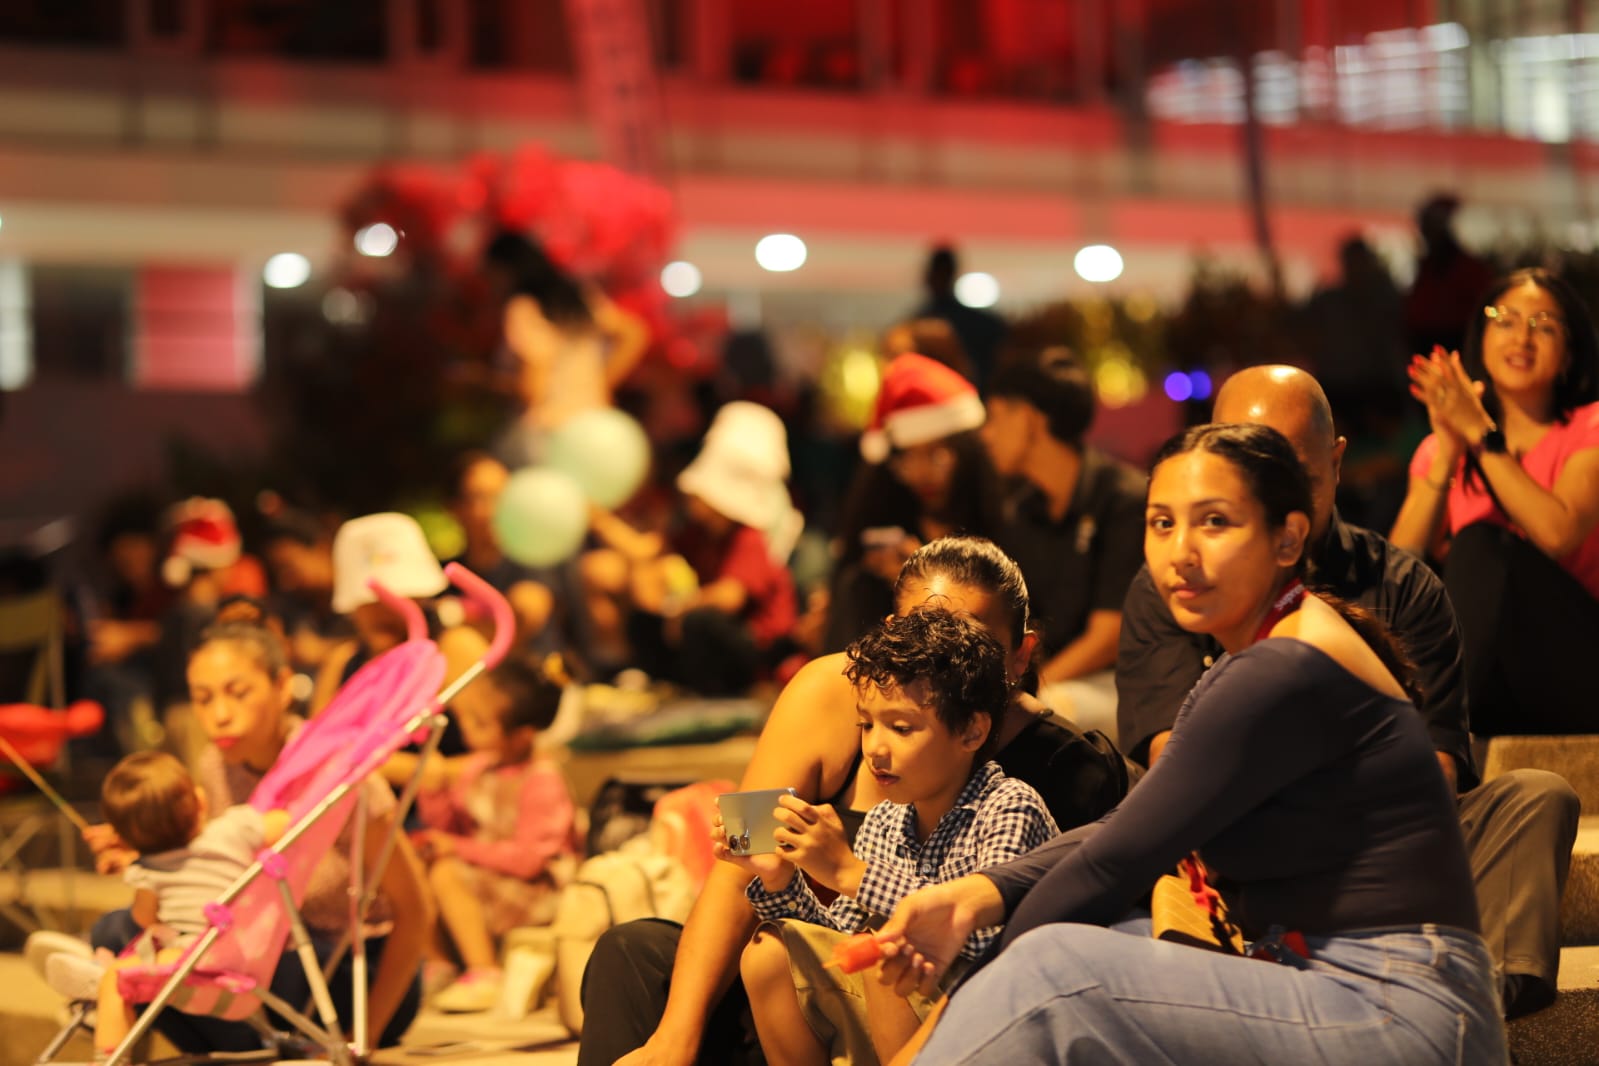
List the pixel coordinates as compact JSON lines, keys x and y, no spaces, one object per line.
{"x":66,"y":900}
{"x":1579,"y":907}
{"x":1575,"y":758}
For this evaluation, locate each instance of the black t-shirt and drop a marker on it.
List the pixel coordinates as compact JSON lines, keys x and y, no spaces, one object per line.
{"x":1316,"y":800}
{"x":1085,"y":561}
{"x":1159,"y":661}
{"x":1080,"y":776}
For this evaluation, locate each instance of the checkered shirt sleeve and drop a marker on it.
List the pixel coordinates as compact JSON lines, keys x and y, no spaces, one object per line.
{"x":995,"y":819}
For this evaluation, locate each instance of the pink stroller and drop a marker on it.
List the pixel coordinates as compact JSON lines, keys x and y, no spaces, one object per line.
{"x":227,"y":972}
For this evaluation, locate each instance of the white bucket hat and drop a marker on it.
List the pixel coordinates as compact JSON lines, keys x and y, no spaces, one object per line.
{"x":740,"y":473}
{"x":389,"y":547}
{"x":755,"y":433}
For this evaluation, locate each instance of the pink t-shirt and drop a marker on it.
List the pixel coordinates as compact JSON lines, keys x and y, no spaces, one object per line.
{"x":516,"y":820}
{"x":1471,"y":503}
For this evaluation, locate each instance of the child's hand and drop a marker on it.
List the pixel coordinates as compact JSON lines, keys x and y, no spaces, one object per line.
{"x":774,"y":871}
{"x":813,"y":839}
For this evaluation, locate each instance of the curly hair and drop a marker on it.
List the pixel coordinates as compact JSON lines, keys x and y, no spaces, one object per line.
{"x":961,"y":661}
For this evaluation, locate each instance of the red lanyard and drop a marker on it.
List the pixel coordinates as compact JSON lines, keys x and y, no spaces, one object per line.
{"x":1283,"y":606}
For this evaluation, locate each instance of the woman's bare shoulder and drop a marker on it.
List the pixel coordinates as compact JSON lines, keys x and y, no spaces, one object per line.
{"x":810,"y":735}
{"x":1319,"y":625}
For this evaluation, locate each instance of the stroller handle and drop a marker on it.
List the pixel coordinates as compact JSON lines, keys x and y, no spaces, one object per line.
{"x":488,"y":597}
{"x":416,"y":626}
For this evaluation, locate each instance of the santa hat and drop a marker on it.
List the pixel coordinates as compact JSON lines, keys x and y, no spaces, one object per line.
{"x":204,"y":537}
{"x":921,"y":401}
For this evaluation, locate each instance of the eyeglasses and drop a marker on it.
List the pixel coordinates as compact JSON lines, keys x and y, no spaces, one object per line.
{"x":1542,"y":324}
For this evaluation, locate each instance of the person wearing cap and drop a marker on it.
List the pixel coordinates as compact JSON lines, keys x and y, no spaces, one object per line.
{"x":1075,"y":525}
{"x":711,"y":607}
{"x":391,"y":548}
{"x":926,"y":476}
{"x":205,"y":564}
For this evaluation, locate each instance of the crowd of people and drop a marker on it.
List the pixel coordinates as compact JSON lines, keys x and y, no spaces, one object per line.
{"x":1039,"y":680}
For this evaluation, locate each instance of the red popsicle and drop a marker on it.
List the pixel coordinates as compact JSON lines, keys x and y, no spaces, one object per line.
{"x":856,"y":953}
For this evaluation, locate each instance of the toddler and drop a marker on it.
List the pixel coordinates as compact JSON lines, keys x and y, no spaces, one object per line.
{"x":500,"y":838}
{"x":185,"y":861}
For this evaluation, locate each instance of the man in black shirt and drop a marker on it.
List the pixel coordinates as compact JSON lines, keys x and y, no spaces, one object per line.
{"x":1074,"y":525}
{"x":1519,"y":827}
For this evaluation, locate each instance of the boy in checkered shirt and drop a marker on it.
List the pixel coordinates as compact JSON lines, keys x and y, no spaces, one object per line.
{"x":929,"y":688}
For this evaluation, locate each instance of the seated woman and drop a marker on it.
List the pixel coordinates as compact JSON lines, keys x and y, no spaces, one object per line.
{"x":239,"y":686}
{"x":1300,"y":771}
{"x":926,"y":476}
{"x":1506,"y":490}
{"x":657,"y":992}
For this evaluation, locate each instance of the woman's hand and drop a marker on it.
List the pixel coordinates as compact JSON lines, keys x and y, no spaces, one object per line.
{"x":1454,"y":401}
{"x":930,"y":926}
{"x":813,"y":839}
{"x":774,"y":871}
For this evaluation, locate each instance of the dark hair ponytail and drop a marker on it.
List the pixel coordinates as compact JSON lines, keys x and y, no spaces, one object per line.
{"x":1388,"y":646}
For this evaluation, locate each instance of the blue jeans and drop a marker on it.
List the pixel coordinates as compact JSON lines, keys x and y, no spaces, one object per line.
{"x":1084,"y":994}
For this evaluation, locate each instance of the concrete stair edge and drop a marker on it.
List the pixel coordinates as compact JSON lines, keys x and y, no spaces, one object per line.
{"x":1574,"y":757}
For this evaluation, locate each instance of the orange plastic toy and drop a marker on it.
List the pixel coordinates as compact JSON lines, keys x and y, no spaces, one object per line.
{"x":857,"y":953}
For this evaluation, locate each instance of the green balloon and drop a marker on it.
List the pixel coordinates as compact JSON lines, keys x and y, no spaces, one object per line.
{"x":542,"y":517}
{"x":605,"y":451}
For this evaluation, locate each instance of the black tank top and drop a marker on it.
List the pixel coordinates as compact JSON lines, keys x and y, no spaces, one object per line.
{"x":851,"y":818}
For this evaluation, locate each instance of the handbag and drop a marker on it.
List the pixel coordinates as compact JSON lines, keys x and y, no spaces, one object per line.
{"x":1186,"y":909}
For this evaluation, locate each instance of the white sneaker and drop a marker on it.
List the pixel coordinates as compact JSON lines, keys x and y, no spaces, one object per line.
{"x":529,"y":965}
{"x":437,"y":975}
{"x":45,"y":943}
{"x":473,"y":991}
{"x":74,"y":976}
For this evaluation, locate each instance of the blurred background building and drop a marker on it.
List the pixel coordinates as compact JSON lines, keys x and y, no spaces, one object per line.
{"x":175,"y":174}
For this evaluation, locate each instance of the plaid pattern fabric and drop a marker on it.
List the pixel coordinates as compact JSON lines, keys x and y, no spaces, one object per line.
{"x":995,"y":819}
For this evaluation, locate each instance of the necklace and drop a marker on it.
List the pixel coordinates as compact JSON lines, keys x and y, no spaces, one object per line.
{"x":1285,"y":604}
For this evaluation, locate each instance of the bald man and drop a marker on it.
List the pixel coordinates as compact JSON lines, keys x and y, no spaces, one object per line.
{"x":1519,"y":827}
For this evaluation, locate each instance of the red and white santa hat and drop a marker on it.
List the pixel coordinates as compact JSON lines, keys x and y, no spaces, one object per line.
{"x":204,"y":537}
{"x":921,"y":401}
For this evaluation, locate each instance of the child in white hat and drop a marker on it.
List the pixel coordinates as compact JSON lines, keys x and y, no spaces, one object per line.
{"x":392,"y":548}
{"x":715,"y":609}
